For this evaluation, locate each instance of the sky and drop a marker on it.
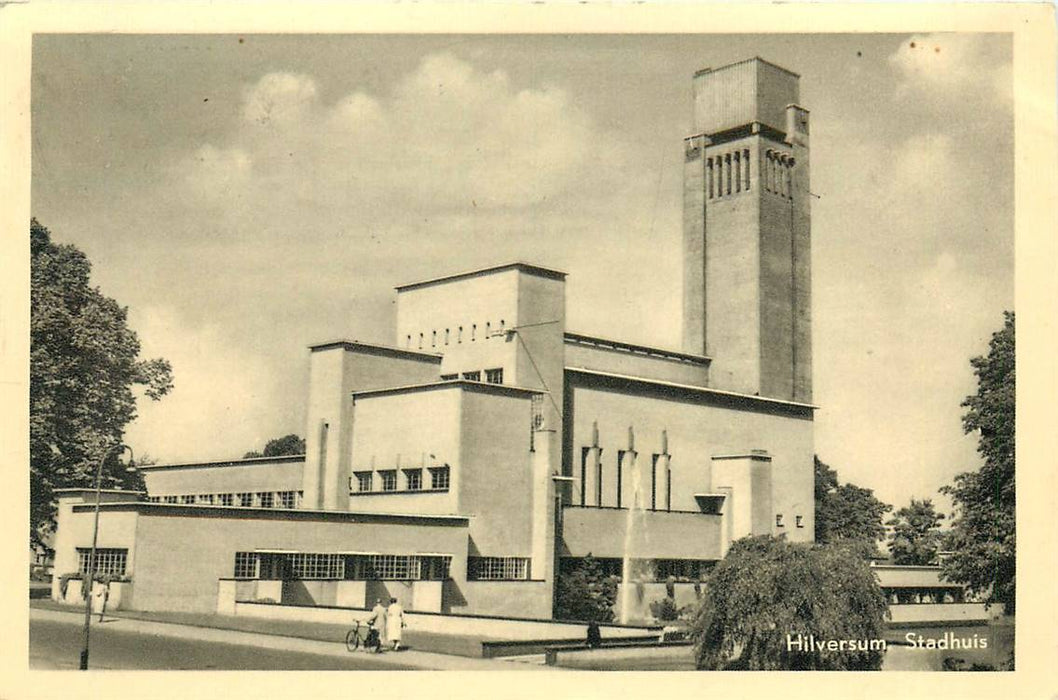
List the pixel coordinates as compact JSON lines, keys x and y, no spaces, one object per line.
{"x":246,"y":196}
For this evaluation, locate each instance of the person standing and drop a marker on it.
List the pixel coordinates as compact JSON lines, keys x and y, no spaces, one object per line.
{"x":395,"y":622}
{"x":378,"y":622}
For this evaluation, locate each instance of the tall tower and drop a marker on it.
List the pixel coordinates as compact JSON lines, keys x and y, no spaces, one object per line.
{"x":747,"y":231}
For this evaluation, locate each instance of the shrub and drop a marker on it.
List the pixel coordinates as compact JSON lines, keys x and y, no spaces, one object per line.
{"x":586,"y":593}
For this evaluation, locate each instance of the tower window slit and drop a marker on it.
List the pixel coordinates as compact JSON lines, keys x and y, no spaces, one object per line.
{"x":745,"y":169}
{"x":727,"y":174}
{"x":709,"y":176}
{"x":738,"y":171}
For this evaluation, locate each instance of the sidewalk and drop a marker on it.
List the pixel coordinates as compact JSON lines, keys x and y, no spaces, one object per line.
{"x":314,"y":638}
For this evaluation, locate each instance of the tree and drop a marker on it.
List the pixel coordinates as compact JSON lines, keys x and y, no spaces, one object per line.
{"x":847,"y":513}
{"x":84,"y":363}
{"x":982,"y":537}
{"x":916,"y":536}
{"x":585,"y":592}
{"x":766,"y":598}
{"x":286,"y":445}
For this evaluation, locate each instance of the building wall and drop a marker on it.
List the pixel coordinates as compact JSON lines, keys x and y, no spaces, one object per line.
{"x":335,"y":371}
{"x":230,"y":477}
{"x":496,"y":488}
{"x":619,"y":361}
{"x":414,"y":429}
{"x":480,"y":305}
{"x":697,"y":429}
{"x":181,"y":557}
{"x":613,"y":533}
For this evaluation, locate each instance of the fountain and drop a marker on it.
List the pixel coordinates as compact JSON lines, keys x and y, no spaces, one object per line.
{"x":633,"y":526}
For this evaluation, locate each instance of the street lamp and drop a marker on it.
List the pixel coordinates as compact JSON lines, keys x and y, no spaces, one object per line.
{"x":89,"y":577}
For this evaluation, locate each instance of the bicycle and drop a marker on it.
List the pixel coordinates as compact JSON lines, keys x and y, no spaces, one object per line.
{"x":363,"y":635}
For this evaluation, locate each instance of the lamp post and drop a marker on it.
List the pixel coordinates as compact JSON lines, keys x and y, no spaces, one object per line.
{"x":89,"y":578}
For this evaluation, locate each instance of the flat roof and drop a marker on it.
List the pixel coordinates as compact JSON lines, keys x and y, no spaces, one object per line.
{"x":521,"y":266}
{"x":191,"y":509}
{"x":756,"y":59}
{"x":482,"y":387}
{"x":690,"y":388}
{"x":246,"y":462}
{"x":375,"y":349}
{"x":631,"y":348}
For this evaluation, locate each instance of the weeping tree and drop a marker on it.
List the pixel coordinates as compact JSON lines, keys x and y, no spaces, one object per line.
{"x":767,"y":594}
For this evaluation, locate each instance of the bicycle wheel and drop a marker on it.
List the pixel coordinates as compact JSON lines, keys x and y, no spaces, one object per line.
{"x":352,"y":640}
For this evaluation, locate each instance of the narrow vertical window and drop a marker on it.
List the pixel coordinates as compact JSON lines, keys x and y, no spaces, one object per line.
{"x":460,"y":337}
{"x":446,"y":336}
{"x":433,"y":339}
{"x":473,"y":332}
{"x":654,"y":482}
{"x":598,"y":477}
{"x":584,"y":452}
{"x":709,"y":177}
{"x":488,"y":329}
{"x":738,"y":171}
{"x":727,"y":174}
{"x":407,"y":344}
{"x":620,"y":458}
{"x":668,"y":486}
{"x":745,"y":169}
{"x":420,"y":341}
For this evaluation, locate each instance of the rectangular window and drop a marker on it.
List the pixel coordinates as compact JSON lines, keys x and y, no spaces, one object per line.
{"x":654,"y":482}
{"x":620,"y":459}
{"x":778,"y":520}
{"x":286,"y":499}
{"x":226,"y":499}
{"x":800,"y":521}
{"x":246,"y":565}
{"x":299,"y":496}
{"x":317,"y":566}
{"x":394,"y":567}
{"x":265,"y":499}
{"x":472,"y":376}
{"x":170,"y":499}
{"x":584,"y":452}
{"x":435,"y":568}
{"x":363,"y":482}
{"x":494,"y":376}
{"x":154,"y":499}
{"x":187,"y":499}
{"x":497,"y":568}
{"x":413,"y":479}
{"x":389,"y":479}
{"x":205,"y":498}
{"x":246,"y":500}
{"x":449,"y":377}
{"x":108,"y":561}
{"x":439,"y":478}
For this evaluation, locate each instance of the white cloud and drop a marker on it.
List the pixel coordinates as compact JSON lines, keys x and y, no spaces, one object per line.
{"x":952,"y":63}
{"x":279,"y":99}
{"x":212,"y":173}
{"x":222,"y":398}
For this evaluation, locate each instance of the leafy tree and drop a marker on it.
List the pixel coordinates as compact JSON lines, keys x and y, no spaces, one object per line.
{"x":982,"y":537}
{"x":84,"y":363}
{"x":767,"y":591}
{"x":279,"y":447}
{"x":846,"y":513}
{"x":916,"y":535}
{"x":585,"y":592}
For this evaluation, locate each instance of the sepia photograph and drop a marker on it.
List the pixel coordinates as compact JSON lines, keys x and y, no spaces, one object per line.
{"x":532,"y":352}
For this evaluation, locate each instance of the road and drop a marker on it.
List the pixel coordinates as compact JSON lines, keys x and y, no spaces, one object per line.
{"x":55,"y":643}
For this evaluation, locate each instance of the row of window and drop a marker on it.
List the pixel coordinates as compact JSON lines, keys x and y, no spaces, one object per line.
{"x":108,"y":561}
{"x":497,"y":568}
{"x":647,"y":570}
{"x":727,"y":174}
{"x":924,"y":596}
{"x":798,"y":520}
{"x":457,"y":335}
{"x":336,"y":566}
{"x":593,"y":480}
{"x":246,"y":499}
{"x":777,"y":173}
{"x":492,"y":376}
{"x":364,"y":481}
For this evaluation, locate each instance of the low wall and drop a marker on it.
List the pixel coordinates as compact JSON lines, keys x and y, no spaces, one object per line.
{"x":670,"y":653}
{"x":478,"y":626}
{"x":521,"y":599}
{"x":925,"y":613}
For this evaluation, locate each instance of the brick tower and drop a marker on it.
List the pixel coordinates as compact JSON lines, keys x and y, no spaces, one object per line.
{"x":747,"y":231}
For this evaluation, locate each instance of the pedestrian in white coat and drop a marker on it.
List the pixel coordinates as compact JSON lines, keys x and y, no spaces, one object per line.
{"x":394,"y":622}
